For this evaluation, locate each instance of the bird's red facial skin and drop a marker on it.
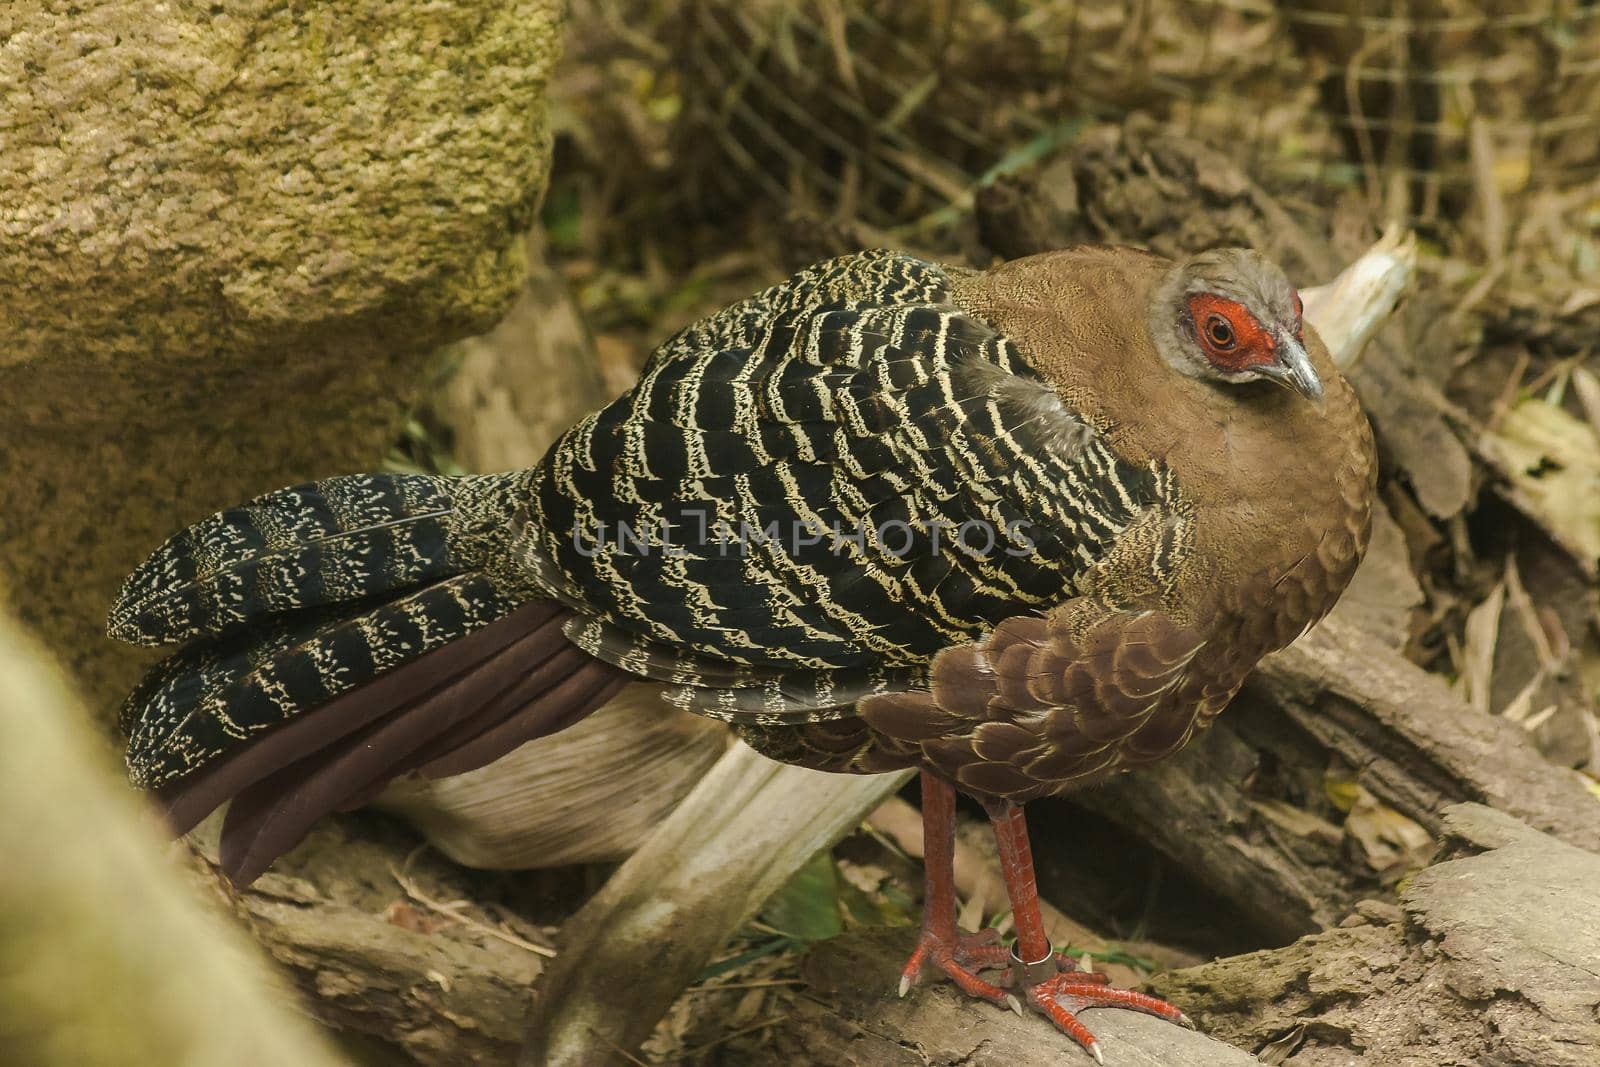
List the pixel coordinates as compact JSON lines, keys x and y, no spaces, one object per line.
{"x":1229,"y":334}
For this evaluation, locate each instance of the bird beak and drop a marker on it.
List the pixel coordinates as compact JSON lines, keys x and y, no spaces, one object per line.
{"x":1293,"y":370}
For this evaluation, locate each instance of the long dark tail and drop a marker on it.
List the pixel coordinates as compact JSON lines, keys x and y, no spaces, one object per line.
{"x":339,"y":637}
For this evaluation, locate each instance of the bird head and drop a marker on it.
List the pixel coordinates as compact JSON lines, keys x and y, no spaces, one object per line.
{"x":1230,"y":316}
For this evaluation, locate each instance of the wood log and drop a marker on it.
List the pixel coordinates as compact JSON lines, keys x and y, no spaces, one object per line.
{"x":849,"y":1016}
{"x":1489,"y":959}
{"x":1481,"y":962}
{"x":1340,"y":697}
{"x":390,"y":943}
{"x":1417,"y":745}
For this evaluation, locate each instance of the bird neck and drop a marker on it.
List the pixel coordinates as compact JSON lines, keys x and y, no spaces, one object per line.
{"x":1280,"y":491}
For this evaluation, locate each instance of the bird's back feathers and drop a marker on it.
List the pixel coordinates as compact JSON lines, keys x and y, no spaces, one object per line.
{"x":850,"y":479}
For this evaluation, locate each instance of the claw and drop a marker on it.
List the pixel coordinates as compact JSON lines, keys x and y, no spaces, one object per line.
{"x":960,"y":956}
{"x":1061,"y":999}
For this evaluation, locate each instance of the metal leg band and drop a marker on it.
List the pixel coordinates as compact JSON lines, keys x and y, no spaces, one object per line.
{"x":1039,"y":970}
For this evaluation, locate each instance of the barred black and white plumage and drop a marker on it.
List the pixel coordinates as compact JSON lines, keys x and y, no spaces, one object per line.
{"x":830,"y":423}
{"x":216,"y":694}
{"x":326,"y":542}
{"x":815,"y":516}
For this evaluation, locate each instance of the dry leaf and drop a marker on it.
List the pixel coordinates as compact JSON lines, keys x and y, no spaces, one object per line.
{"x":1342,"y":792}
{"x":408,"y":917}
{"x":1281,"y":1048}
{"x":1391,"y":842}
{"x":1477,"y":655}
{"x":1552,"y":462}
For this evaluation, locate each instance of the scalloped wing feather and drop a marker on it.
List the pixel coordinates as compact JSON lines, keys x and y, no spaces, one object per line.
{"x":1045,"y":704}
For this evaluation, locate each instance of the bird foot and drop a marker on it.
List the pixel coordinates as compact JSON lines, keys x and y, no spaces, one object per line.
{"x":1055,"y":986}
{"x":1062,"y":996}
{"x":961,"y":955}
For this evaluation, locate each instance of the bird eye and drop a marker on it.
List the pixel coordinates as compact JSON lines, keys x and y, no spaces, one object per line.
{"x":1219,"y":332}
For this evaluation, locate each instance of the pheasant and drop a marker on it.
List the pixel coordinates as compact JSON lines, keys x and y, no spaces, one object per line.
{"x":1021,"y":529}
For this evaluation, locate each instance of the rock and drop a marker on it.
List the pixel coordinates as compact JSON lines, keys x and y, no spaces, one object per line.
{"x":229,"y":238}
{"x":514,"y":390}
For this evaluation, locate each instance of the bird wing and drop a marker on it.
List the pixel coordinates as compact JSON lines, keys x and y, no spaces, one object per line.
{"x":1042,"y":702}
{"x":866,"y":421}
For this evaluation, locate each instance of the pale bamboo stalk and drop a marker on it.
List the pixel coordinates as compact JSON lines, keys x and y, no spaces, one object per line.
{"x":737,"y":838}
{"x":591,"y":793}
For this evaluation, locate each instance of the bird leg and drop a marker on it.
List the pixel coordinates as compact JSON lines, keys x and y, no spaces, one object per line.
{"x":1052,"y":982}
{"x":958,"y":954}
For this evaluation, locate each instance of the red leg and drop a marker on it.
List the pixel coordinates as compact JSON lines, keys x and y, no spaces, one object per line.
{"x":959,"y":955}
{"x":1059,"y":991}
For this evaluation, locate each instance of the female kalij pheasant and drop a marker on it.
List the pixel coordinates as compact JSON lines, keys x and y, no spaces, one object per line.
{"x":1021,"y":529}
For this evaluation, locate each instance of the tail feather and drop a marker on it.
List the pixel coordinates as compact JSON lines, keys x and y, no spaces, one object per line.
{"x":208,"y":700}
{"x":586,"y":689}
{"x":477,"y":684}
{"x":190,"y":798}
{"x":194,"y":795}
{"x":327,"y":542}
{"x":272,"y":815}
{"x":341,"y":633}
{"x":535,"y":679}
